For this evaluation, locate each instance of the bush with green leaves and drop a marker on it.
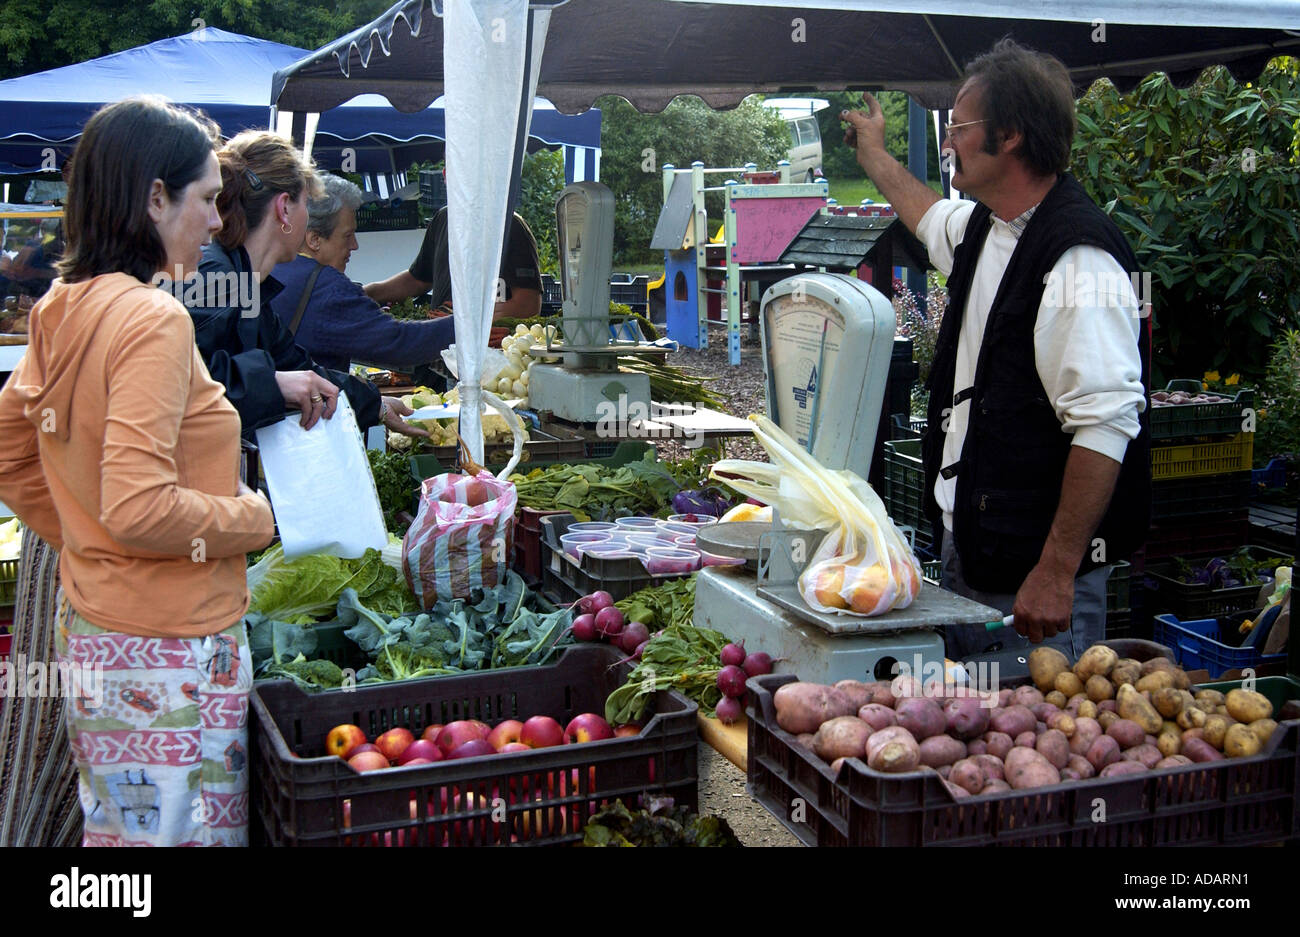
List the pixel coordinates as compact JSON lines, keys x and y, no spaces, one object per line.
{"x":1279,"y":405}
{"x":541,"y":183}
{"x":1205,"y":184}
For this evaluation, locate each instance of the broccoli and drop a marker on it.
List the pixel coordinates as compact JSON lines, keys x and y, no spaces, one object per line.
{"x":402,"y":661}
{"x":308,"y":674}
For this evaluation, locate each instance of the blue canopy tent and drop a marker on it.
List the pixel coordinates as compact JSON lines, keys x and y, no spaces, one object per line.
{"x":227,"y":75}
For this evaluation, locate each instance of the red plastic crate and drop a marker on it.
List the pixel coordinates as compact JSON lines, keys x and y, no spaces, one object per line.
{"x":300,"y":797}
{"x":528,"y":542}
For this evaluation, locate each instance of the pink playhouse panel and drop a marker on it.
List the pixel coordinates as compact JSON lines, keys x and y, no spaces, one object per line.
{"x":766,"y":226}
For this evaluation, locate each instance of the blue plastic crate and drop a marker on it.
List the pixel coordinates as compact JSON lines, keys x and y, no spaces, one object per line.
{"x":1272,"y":475}
{"x":1198,"y":644}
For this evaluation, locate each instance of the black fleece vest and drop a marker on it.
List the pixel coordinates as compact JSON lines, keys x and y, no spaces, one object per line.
{"x":1013,"y":460}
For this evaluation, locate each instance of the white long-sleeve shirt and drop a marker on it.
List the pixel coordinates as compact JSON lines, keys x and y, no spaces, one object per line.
{"x":1085,"y":337}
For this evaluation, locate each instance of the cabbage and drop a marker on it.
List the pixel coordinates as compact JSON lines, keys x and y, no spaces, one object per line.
{"x":302,"y":590}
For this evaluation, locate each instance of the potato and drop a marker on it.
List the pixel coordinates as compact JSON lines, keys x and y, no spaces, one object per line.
{"x":999,"y":744}
{"x":1054,"y":746}
{"x":1004,"y":698}
{"x":1026,"y":768}
{"x":977,"y":747}
{"x":1117,"y":768}
{"x":878,"y":716}
{"x":996,"y":786}
{"x":1193,"y":734}
{"x":1213,"y":697}
{"x":1181,"y":680}
{"x":1168,"y":702}
{"x":1221,"y":710}
{"x":1127,"y":732}
{"x":836,"y":765}
{"x":1215,"y":728}
{"x":1088,"y":709}
{"x":803,"y":707}
{"x":993,"y":767}
{"x":1126,"y":671}
{"x":941,"y":750}
{"x":1098,"y":688}
{"x":1013,"y":720}
{"x":1169,"y":741}
{"x":1199,"y":750}
{"x":1026,"y":696}
{"x":1173,"y":761}
{"x":1102,"y":752}
{"x":1056,"y":698}
{"x":921,"y":717}
{"x":1247,"y":705}
{"x":1241,"y":741}
{"x":860,"y":693}
{"x":1027,"y":740}
{"x":893,"y":749}
{"x":944,"y":771}
{"x":1086,"y":731}
{"x":1040,"y":727}
{"x":1069,"y":774}
{"x":1150,"y":739}
{"x":907,"y":687}
{"x":1043,"y":710}
{"x":967,"y":773}
{"x":1062,"y":721}
{"x":842,"y":737}
{"x":966,"y":718}
{"x":1148,"y":755}
{"x":1131,"y":705}
{"x":957,"y":791}
{"x":1107,"y":720}
{"x":1045,"y":664}
{"x":1263,"y":729}
{"x":882,"y":694}
{"x":1157,"y":663}
{"x":1098,"y":659}
{"x":1156,"y":680}
{"x":1191,"y":718}
{"x":1205,"y":706}
{"x":1068,"y":685}
{"x":1082,"y":766}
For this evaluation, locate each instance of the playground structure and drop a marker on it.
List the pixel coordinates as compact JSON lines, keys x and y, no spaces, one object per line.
{"x":763,"y":215}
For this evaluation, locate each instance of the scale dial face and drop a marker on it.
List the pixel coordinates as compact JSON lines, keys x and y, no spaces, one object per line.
{"x":571,"y":221}
{"x":804,"y":338}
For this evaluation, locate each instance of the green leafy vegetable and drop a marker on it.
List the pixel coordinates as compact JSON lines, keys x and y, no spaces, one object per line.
{"x":395,"y":485}
{"x":302,"y":590}
{"x":598,"y":491}
{"x":663,"y":824}
{"x":682,"y":658}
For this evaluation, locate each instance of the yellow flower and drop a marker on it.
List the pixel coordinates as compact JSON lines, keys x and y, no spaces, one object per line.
{"x":1212,"y":377}
{"x":1232,"y":379}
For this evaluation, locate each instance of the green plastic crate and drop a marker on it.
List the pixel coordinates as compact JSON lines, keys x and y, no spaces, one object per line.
{"x":1199,"y":419}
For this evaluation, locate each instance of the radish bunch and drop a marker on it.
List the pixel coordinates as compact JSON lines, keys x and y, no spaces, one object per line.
{"x":737,"y":667}
{"x":600,"y":620}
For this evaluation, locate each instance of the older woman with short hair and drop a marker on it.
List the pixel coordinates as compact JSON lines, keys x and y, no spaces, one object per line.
{"x":328,"y":314}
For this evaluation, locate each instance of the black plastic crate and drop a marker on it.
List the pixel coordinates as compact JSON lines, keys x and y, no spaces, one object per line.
{"x":1208,"y":496}
{"x":1240,"y":801}
{"x":1118,"y":586}
{"x":1199,"y":419}
{"x":382,"y":216}
{"x":299,"y":797}
{"x":632,"y":294}
{"x":1189,"y":600}
{"x":904,"y":482}
{"x":433,"y":190}
{"x":568,"y":581}
{"x":1221,"y":534}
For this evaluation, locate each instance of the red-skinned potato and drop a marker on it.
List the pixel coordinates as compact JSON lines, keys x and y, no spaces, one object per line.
{"x":803,"y":707}
{"x":878,"y":716}
{"x":1069,"y":774}
{"x":1173,"y":761}
{"x":1107,"y":706}
{"x":921,"y":717}
{"x":1026,"y":696}
{"x":1086,"y":731}
{"x":1116,"y":768}
{"x":842,"y":737}
{"x":893,"y":749}
{"x":805,"y":740}
{"x":969,"y":774}
{"x":1055,"y":747}
{"x":977,"y":747}
{"x":1148,"y":755}
{"x":966,"y":718}
{"x":1127,"y":732}
{"x":1081,"y":766}
{"x":1004,"y":698}
{"x":999,"y":744}
{"x":957,"y":791}
{"x":882,"y":694}
{"x":1199,"y":750}
{"x":1026,"y":768}
{"x":1102,"y":752}
{"x":941,"y":750}
{"x":906,"y":687}
{"x":1013,"y":720}
{"x":1044,"y":711}
{"x":860,"y":693}
{"x":995,"y":786}
{"x":836,"y":765}
{"x":993,"y":767}
{"x":1026,"y":739}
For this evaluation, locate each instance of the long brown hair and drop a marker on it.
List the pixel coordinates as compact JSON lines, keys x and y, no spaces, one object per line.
{"x":124,"y":147}
{"x":256,"y":166}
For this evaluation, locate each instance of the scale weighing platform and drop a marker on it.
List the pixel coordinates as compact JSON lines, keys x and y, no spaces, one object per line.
{"x":827,"y":343}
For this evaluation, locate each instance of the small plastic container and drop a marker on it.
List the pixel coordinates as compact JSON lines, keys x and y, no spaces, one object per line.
{"x":650,"y":539}
{"x":573,"y":544}
{"x":695,"y":520}
{"x":637,"y":523}
{"x":717,"y":559}
{"x":671,"y":561}
{"x":677,"y":527}
{"x":686,"y":541}
{"x":610,"y":551}
{"x":590,"y":527}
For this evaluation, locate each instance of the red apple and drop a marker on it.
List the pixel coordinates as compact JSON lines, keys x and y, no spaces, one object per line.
{"x":624,"y":731}
{"x":456,"y":734}
{"x":369,"y":761}
{"x":363,"y":747}
{"x":342,"y":739}
{"x":393,"y":742}
{"x":421,"y":749}
{"x":416,"y":761}
{"x":514,"y":747}
{"x":430,"y":733}
{"x":587,"y":727}
{"x":472,"y":749}
{"x":541,"y":732}
{"x":505,"y":733}
{"x":484,"y":729}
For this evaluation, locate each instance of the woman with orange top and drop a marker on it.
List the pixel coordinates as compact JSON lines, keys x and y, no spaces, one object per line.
{"x":122,"y":452}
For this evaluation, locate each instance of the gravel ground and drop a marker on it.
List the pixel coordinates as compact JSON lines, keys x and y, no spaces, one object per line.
{"x":722,"y":792}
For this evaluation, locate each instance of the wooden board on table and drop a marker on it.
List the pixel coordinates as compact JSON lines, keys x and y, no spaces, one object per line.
{"x":731,"y":742}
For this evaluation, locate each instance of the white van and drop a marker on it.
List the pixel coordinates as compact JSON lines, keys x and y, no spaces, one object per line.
{"x":799,"y":115}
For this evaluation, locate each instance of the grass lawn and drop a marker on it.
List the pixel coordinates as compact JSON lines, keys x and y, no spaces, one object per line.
{"x":853,"y":190}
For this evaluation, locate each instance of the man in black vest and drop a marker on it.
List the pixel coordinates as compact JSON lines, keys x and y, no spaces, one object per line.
{"x":1037,"y":454}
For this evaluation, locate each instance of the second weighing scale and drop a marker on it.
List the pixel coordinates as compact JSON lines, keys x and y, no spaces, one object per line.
{"x":827,"y":342}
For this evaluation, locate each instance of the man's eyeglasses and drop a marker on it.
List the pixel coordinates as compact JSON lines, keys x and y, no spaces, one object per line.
{"x":951,"y":129}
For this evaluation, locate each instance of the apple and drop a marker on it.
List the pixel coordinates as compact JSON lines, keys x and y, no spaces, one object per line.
{"x":368,"y":761}
{"x":514,"y":747}
{"x":415,"y":761}
{"x":474,"y":748}
{"x":541,"y":732}
{"x":627,"y":730}
{"x":587,"y":727}
{"x":505,"y":733}
{"x":484,"y":729}
{"x":456,"y":734}
{"x":342,"y":739}
{"x":393,"y":742}
{"x":363,"y":747}
{"x":430,"y":733}
{"x":422,"y":750}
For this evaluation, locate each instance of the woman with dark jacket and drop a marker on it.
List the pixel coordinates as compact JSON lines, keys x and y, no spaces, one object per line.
{"x":263,"y":206}
{"x":331,"y":316}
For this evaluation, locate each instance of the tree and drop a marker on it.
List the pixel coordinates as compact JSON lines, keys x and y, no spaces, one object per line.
{"x":838,"y":161}
{"x":636,"y":146}
{"x":540,"y":185}
{"x":1205,"y":184}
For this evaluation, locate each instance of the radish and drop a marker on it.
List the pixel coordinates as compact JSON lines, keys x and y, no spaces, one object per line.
{"x":731,"y":681}
{"x":584,"y":627}
{"x":609,"y":621}
{"x":600,"y":599}
{"x":640,"y":649}
{"x":729,"y":710}
{"x":633,"y":636}
{"x":757,"y":664}
{"x":733,"y":654}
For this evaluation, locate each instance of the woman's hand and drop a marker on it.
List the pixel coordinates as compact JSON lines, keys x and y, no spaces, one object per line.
{"x":393,"y":419}
{"x":309,"y":392}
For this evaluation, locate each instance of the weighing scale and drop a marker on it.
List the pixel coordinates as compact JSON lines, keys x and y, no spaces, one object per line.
{"x":827,"y":342}
{"x":582,"y":388}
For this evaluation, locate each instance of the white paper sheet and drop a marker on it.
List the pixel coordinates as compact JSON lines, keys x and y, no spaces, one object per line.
{"x":321,"y":487}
